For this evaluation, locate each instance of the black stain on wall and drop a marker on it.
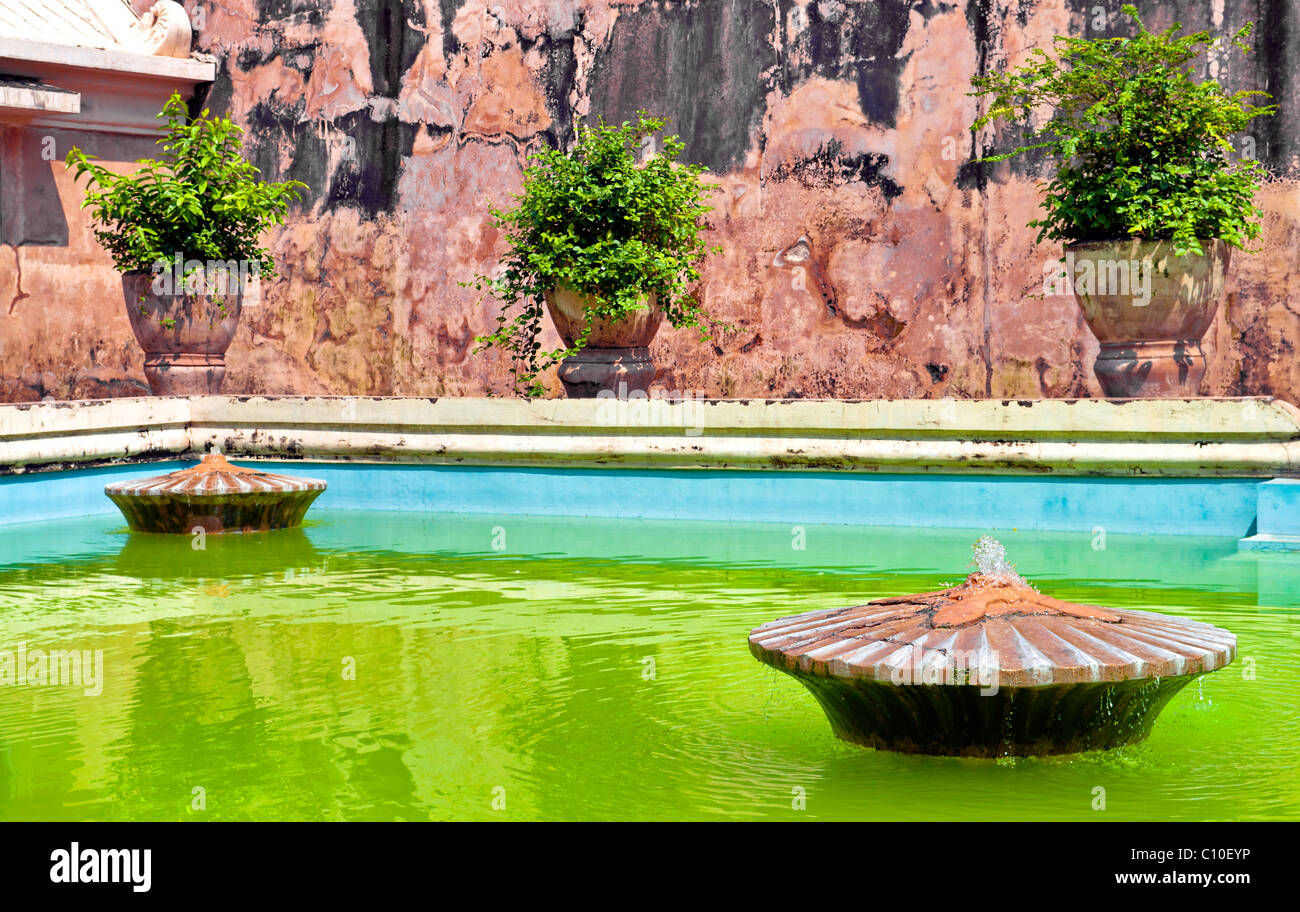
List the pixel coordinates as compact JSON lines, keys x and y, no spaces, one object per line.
{"x":394,"y":40}
{"x":269,"y":128}
{"x":558,"y":77}
{"x":448,"y":10}
{"x":859,"y":42}
{"x":219,"y":93}
{"x":704,"y":66}
{"x":1279,"y":48}
{"x":367,"y":177}
{"x":309,"y":12}
{"x":707,"y":67}
{"x":973,"y":174}
{"x":369,"y":150}
{"x":832,"y":167}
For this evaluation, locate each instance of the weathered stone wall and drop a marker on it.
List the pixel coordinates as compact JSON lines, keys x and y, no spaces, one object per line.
{"x":864,"y":255}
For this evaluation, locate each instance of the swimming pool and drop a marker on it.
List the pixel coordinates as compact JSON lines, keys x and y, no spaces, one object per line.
{"x":399,"y":665}
{"x":537,"y":610}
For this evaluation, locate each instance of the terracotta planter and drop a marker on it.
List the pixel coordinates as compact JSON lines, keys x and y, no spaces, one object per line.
{"x":1149,"y":310}
{"x":617,"y":354}
{"x":184,"y":336}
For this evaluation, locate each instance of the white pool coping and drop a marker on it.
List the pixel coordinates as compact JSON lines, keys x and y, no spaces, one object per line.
{"x":1250,"y":437}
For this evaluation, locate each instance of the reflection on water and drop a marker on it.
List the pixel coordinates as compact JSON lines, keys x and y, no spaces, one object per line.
{"x":260,"y":556}
{"x":380,"y":666}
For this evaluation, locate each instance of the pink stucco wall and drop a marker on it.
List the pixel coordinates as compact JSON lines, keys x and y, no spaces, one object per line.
{"x":864,"y":256}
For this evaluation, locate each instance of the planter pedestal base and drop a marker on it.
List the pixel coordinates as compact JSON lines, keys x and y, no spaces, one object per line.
{"x":1130,"y":370}
{"x":184,"y":374}
{"x":619,"y":370}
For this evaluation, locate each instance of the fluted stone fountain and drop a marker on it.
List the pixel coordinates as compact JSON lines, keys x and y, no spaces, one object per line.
{"x":216,"y":497}
{"x":991,"y":667}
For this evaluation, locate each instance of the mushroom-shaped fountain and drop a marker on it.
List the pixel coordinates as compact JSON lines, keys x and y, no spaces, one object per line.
{"x":216,"y":497}
{"x":991,"y":668}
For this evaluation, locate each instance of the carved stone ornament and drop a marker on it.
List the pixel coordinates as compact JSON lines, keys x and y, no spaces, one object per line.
{"x":163,"y":31}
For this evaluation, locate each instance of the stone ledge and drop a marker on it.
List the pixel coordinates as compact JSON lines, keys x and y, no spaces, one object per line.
{"x":20,"y":98}
{"x":1270,"y":543}
{"x":1201,"y":437}
{"x":43,"y":56}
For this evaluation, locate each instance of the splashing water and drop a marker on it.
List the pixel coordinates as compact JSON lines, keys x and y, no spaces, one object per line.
{"x":1202,"y":701}
{"x":991,"y":562}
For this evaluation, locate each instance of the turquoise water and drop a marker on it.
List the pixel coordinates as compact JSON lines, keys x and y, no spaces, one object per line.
{"x":419,"y":666}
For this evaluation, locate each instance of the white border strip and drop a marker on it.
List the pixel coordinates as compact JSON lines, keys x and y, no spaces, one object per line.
{"x":1214,"y":437}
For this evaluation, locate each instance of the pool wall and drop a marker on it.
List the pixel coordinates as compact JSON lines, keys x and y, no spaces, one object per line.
{"x":1212,"y":467}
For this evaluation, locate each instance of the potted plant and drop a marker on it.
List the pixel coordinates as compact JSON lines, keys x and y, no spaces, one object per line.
{"x":183,"y":230}
{"x":611,"y":246}
{"x":1146,"y":196}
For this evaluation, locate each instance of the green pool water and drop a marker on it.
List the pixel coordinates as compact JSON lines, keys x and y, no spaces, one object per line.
{"x":380,"y":666}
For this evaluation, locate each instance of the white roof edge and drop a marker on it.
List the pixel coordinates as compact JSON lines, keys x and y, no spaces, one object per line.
{"x":117,"y":18}
{"x":38,"y":98}
{"x":39,"y":52}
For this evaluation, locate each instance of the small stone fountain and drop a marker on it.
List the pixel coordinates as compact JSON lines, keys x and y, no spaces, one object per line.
{"x":216,"y":497}
{"x":991,"y":667}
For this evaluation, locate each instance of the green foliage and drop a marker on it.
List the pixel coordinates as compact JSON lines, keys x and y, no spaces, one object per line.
{"x":1142,"y":149}
{"x":594,"y":220}
{"x":201,"y":199}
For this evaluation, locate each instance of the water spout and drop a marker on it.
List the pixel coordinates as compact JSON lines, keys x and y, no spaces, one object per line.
{"x":991,"y":562}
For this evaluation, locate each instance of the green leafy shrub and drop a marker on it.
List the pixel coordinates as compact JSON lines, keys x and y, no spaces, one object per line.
{"x":200,"y":200}
{"x":594,"y":220}
{"x":1142,"y":149}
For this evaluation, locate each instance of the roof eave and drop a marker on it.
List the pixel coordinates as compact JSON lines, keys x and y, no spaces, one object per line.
{"x":38,"y":58}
